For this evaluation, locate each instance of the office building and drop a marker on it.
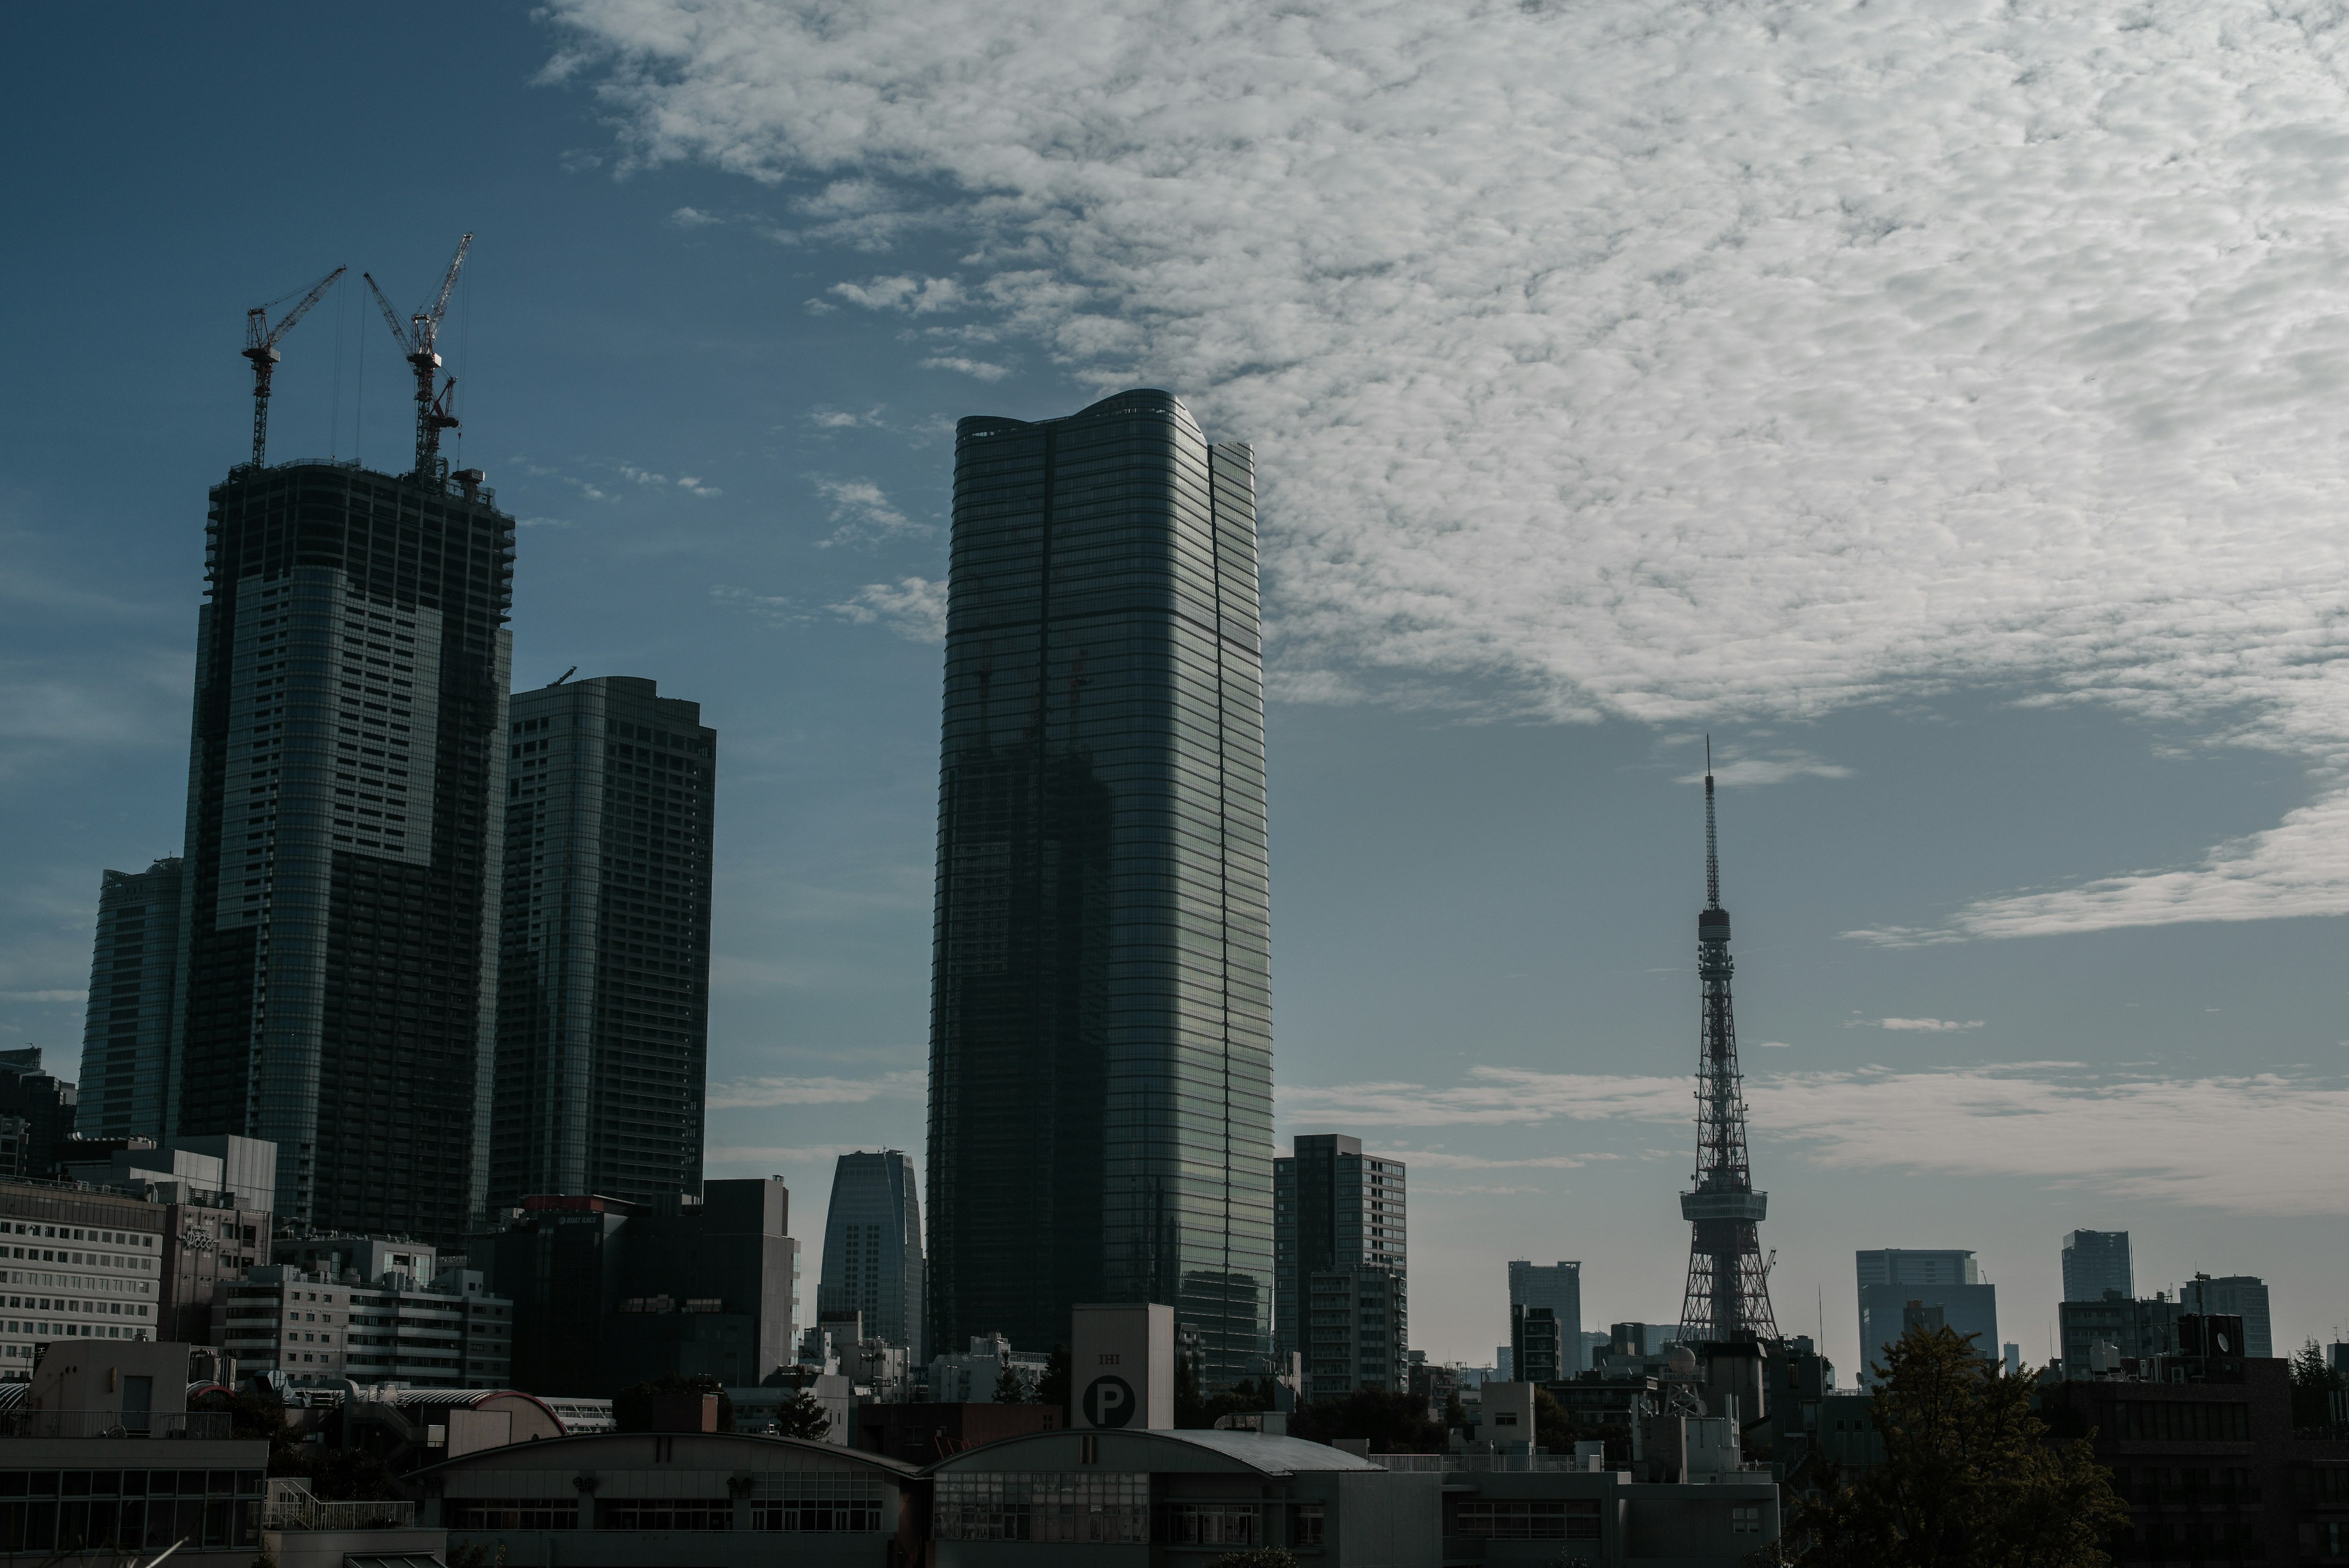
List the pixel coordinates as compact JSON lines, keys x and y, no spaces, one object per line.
{"x":1895,"y":1280}
{"x":337,"y":991}
{"x":2096,"y":1262}
{"x":1333,"y":1208}
{"x":872,"y":1250}
{"x":1558,"y":1287}
{"x":127,"y":1037}
{"x":972,"y":1376}
{"x":1101,"y":1078}
{"x":608,"y":1294}
{"x":603,"y":968}
{"x":241,"y":1170}
{"x":1538,"y":1343}
{"x":46,"y":1109}
{"x":1357,"y":1332}
{"x":328,"y":1324}
{"x":2233,"y":1295}
{"x":2136,"y":1330}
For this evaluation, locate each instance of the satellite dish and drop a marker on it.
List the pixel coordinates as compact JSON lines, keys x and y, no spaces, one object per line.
{"x":1680,"y":1360}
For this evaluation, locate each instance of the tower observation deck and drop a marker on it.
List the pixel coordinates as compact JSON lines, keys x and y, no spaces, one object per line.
{"x":1728,"y":1280}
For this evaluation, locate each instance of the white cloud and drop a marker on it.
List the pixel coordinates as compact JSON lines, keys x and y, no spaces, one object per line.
{"x":44,"y":996}
{"x":1918,"y":1025}
{"x":915,"y":295}
{"x":2265,"y":1145}
{"x":1663,"y":358}
{"x":986,"y":370}
{"x":863,"y":511}
{"x":742,"y":1093}
{"x":914,"y":607}
{"x":691,"y":218}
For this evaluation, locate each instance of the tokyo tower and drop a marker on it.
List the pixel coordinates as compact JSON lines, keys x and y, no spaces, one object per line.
{"x":1728,"y":1282}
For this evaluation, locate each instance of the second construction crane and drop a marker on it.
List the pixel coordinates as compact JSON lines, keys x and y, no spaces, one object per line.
{"x":260,"y":346}
{"x":417,"y":341}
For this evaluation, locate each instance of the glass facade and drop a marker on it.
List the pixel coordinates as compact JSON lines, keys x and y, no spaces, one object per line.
{"x":872,"y":1248}
{"x":336,"y":978}
{"x":1077,"y":1506}
{"x":128,"y":1029}
{"x":604,"y":976}
{"x":1101,"y":1058}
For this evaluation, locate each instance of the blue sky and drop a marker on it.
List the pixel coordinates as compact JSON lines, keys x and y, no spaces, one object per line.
{"x":1959,"y":446}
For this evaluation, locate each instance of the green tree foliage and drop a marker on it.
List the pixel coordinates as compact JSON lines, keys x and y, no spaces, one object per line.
{"x":1010,"y":1387}
{"x":1052,"y":1388}
{"x":2314,"y":1385}
{"x":1254,"y":1557}
{"x":1971,"y":1478}
{"x":1395,"y":1423}
{"x":803,"y":1417}
{"x":632,"y":1407}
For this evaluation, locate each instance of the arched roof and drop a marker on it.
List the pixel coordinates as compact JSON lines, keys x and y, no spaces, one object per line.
{"x":586,"y":1449}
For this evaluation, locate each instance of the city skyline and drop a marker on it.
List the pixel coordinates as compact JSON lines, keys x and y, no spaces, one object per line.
{"x":1980,"y":789}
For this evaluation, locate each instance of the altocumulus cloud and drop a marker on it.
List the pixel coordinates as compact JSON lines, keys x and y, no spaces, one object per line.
{"x":1659,"y":359}
{"x":2264,"y":1144}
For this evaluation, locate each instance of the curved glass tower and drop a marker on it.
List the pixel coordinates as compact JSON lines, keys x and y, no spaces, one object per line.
{"x":1101,"y":1048}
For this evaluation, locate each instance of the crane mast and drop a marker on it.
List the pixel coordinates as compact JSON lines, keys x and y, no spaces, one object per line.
{"x":261,"y":341}
{"x":417,"y":341}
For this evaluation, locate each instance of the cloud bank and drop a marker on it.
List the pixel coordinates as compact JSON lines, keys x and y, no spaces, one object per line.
{"x":2264,"y":1145}
{"x":1653,"y":358}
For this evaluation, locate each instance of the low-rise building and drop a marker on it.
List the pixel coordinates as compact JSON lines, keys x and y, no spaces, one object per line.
{"x":327,"y":1326}
{"x":695,"y":1500}
{"x":971,"y":1377}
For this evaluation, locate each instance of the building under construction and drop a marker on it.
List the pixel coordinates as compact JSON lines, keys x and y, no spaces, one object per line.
{"x":346,"y":804}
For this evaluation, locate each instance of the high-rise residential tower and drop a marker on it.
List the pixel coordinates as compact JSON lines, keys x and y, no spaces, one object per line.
{"x":1335,"y":1211}
{"x":337,"y":978}
{"x":1558,"y":1287}
{"x":127,"y":1039}
{"x":873,"y":1248}
{"x":603,"y":974}
{"x":1101,"y":1044}
{"x":2096,"y":1262}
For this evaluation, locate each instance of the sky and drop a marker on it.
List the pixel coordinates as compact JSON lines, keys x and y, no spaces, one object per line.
{"x":1937,"y":403}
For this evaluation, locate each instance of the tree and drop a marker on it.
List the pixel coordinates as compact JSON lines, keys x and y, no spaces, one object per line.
{"x":1395,"y":1423}
{"x":1010,"y":1389}
{"x":632,"y":1407}
{"x":1254,"y":1557}
{"x":803,"y":1417}
{"x":2314,"y":1385}
{"x":1052,"y":1388}
{"x":1972,"y":1477}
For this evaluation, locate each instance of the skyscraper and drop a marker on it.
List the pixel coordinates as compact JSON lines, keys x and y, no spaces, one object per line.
{"x":603,"y":973}
{"x":1728,"y":1290}
{"x":2235,"y":1295}
{"x":127,"y":1039}
{"x":2096,"y":1262}
{"x":1335,"y":1210}
{"x":1558,"y":1287}
{"x":1101,"y":1048}
{"x":872,"y":1248}
{"x":338,"y":978}
{"x":1893,"y":1278}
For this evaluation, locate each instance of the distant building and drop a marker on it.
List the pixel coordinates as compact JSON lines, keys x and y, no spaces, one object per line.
{"x":2137,"y":1330}
{"x":1537,"y":1344}
{"x":608,"y":1294}
{"x":244,"y":1169}
{"x":125,"y":1041}
{"x":371,"y":1308}
{"x":1558,"y":1287}
{"x":1358,"y":1332}
{"x":603,"y":962}
{"x":1101,"y":1037}
{"x":2233,"y":1295}
{"x":873,"y":1248}
{"x":1334,"y":1209}
{"x":972,"y":1376}
{"x":44,"y":1104}
{"x":2096,"y":1262}
{"x":1894,"y":1279}
{"x":116,"y":1292}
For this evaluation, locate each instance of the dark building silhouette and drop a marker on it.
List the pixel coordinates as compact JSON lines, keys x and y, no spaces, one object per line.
{"x":1101,"y":1118}
{"x":337,"y":984}
{"x":37,"y":1112}
{"x":126,"y":1042}
{"x":604,"y":978}
{"x":1337,"y":1210}
{"x":873,"y":1248}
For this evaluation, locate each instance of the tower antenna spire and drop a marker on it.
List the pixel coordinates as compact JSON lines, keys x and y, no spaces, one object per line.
{"x":1728,"y":1276}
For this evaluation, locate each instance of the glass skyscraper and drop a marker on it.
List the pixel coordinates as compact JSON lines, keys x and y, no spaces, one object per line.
{"x":872,"y":1248}
{"x":1101,"y":1044}
{"x":603,"y":984}
{"x":128,"y":1034}
{"x":336,"y":988}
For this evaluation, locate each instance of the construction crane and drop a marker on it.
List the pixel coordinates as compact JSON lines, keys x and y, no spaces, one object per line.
{"x":417,"y":340}
{"x":261,"y":348}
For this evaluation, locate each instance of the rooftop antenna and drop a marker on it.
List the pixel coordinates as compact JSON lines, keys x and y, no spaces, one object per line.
{"x":417,"y":340}
{"x":261,"y":348}
{"x":1712,"y":840}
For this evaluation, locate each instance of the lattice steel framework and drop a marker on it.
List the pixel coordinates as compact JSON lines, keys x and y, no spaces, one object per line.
{"x":1728,"y":1279}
